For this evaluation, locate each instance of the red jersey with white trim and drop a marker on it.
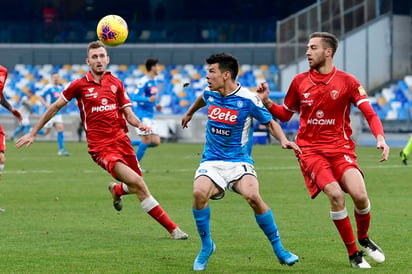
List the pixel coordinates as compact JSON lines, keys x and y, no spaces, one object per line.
{"x":100,"y":106}
{"x":324,"y":103}
{"x":3,"y":77}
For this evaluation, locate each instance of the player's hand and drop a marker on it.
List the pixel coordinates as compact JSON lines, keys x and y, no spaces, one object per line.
{"x":385,"y":150}
{"x":185,"y":120}
{"x":144,"y":128}
{"x":17,"y":114}
{"x":262,"y":91}
{"x":152,"y":98}
{"x":26,"y":139}
{"x":158,"y":107}
{"x":292,"y":145}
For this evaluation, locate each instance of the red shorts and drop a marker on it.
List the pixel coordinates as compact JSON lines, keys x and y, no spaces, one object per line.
{"x":2,"y":140}
{"x":320,"y":169}
{"x":120,"y":151}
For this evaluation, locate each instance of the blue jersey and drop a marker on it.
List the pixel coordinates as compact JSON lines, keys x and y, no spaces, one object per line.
{"x":146,"y":88}
{"x":229,"y":128}
{"x":51,"y":93}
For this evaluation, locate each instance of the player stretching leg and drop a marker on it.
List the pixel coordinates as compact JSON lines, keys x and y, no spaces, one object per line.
{"x":104,"y":106}
{"x":226,"y":162}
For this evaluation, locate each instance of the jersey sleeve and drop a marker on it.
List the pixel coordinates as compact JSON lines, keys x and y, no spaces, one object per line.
{"x":291,"y":101}
{"x":124,"y":100}
{"x":71,"y":91}
{"x":259,"y":111}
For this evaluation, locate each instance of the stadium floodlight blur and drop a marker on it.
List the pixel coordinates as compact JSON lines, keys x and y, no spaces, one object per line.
{"x":338,"y":17}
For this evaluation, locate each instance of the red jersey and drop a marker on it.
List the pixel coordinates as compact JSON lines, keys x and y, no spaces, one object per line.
{"x":324,"y":103}
{"x":3,"y":77}
{"x":100,"y":106}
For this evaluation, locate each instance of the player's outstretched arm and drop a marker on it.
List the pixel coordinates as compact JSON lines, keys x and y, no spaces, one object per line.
{"x":29,"y":138}
{"x":376,"y":127}
{"x":132,"y":119}
{"x":278,"y":133}
{"x":8,"y":106}
{"x":263,"y":92}
{"x":381,"y":144}
{"x":197,"y":104}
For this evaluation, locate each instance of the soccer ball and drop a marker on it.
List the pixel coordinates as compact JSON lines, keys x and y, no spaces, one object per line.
{"x":112,"y":30}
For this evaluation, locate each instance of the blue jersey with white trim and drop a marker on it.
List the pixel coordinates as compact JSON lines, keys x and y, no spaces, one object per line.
{"x":51,"y":93}
{"x":146,"y":87}
{"x":229,"y":128}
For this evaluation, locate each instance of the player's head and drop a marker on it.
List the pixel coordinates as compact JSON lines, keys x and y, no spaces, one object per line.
{"x":97,"y":57}
{"x":225,"y":63}
{"x":152,"y":66}
{"x":320,"y":49}
{"x":328,"y":40}
{"x":55,"y":78}
{"x":150,"y":63}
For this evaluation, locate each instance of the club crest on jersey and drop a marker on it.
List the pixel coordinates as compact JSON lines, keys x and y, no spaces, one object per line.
{"x":306,"y":95}
{"x":334,"y":94}
{"x":239,"y":104}
{"x":113,"y":88}
{"x":223,"y":115}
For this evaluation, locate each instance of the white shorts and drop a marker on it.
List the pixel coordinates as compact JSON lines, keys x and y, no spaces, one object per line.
{"x":153,"y":124}
{"x":56,"y":119}
{"x":25,"y":121}
{"x":224,"y":174}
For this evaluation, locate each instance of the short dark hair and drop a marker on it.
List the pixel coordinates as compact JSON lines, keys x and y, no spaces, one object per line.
{"x":328,"y":39}
{"x":151,"y":62}
{"x":95,"y":45}
{"x":226,"y":62}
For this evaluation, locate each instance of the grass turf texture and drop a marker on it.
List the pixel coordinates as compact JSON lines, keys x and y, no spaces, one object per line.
{"x":59,"y":216}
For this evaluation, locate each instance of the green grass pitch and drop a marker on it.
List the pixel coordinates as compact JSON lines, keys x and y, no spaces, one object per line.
{"x":59,"y":216}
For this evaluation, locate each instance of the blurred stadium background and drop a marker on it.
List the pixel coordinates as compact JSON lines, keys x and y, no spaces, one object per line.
{"x":268,"y":37}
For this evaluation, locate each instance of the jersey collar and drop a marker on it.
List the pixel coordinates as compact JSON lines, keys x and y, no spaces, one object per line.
{"x":316,"y":77}
{"x":89,"y":76}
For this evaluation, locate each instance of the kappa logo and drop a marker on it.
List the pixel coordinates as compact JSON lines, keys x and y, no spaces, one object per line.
{"x":91,"y":94}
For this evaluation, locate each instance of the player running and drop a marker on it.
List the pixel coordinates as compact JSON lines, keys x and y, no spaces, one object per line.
{"x":104,"y":106}
{"x":226,"y":162}
{"x":16,"y":113}
{"x":323,"y":97}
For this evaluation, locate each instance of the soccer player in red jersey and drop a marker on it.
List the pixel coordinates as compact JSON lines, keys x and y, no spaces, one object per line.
{"x":6,"y":104}
{"x":323,"y":97}
{"x":104,"y":106}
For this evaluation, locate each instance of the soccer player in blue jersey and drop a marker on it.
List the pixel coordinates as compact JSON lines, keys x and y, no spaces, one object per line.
{"x":48,"y":95}
{"x":144,"y":101}
{"x":226,"y":162}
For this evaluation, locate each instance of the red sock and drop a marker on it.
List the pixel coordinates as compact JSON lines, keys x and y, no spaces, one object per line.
{"x":118,"y":190}
{"x":346,"y":233}
{"x":160,"y":215}
{"x":362,"y":224}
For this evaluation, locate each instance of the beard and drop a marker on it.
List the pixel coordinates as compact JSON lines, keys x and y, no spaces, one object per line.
{"x":316,"y":64}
